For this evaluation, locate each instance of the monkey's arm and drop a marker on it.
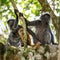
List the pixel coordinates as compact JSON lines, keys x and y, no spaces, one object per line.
{"x":28,"y":23}
{"x":16,"y":21}
{"x":36,"y":41}
{"x":33,"y":23}
{"x":52,"y":37}
{"x":33,"y":34}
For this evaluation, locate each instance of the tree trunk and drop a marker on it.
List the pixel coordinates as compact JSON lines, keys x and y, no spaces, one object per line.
{"x":59,"y":45}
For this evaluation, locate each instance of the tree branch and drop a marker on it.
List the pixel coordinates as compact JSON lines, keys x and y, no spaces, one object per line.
{"x":13,"y":4}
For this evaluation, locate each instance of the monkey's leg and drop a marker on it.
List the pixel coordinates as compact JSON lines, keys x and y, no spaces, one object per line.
{"x":37,"y":43}
{"x":36,"y":46}
{"x":33,"y":35}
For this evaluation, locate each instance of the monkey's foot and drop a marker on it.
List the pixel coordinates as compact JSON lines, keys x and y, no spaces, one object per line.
{"x":37,"y":45}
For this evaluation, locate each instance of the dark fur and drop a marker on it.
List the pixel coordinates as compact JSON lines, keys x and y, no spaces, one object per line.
{"x":43,"y":31}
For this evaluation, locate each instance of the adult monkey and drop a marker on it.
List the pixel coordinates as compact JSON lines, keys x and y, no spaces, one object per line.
{"x":14,"y":39}
{"x":43,"y":31}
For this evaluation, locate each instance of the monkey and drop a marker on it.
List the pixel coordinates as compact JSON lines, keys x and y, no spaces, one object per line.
{"x":14,"y":39}
{"x":43,"y":31}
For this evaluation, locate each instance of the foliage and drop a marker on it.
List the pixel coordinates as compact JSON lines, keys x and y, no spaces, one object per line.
{"x":28,"y":7}
{"x":29,"y":53}
{"x":3,"y":40}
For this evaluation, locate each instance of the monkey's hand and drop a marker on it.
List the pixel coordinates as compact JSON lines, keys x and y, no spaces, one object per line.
{"x":17,"y":13}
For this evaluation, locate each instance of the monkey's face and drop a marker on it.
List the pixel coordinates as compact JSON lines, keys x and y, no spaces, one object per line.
{"x":45,"y":18}
{"x":10,"y":23}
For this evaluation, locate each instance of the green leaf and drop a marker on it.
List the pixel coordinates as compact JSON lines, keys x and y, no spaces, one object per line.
{"x":3,"y":2}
